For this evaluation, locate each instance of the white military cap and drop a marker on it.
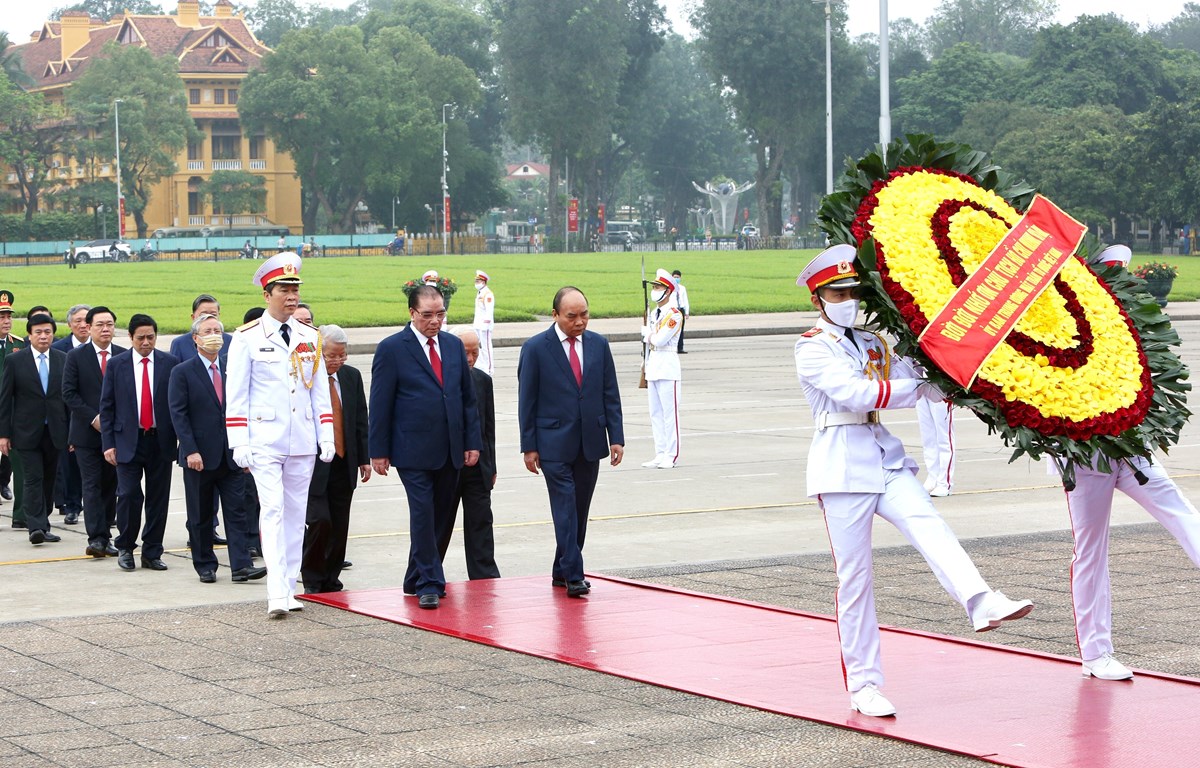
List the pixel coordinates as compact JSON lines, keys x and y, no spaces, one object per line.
{"x":832,"y":267}
{"x":283,"y":267}
{"x":663,"y":279}
{"x":430,"y":277}
{"x":481,"y":275}
{"x":1113,"y":255}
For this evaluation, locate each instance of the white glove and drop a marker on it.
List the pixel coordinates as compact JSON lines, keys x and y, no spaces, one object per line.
{"x":932,"y":392}
{"x":326,"y":454}
{"x":243,"y":457}
{"x":647,"y":330}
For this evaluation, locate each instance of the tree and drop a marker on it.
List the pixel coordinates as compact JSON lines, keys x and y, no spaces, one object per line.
{"x":11,"y":64}
{"x":233,"y":192}
{"x":561,"y":73}
{"x":1183,"y":31}
{"x":107,"y":9}
{"x":36,"y":134}
{"x":155,"y":124}
{"x":354,"y":119}
{"x":270,"y":19}
{"x":769,"y":57}
{"x":935,"y":100}
{"x":996,"y":26}
{"x":1158,"y":152}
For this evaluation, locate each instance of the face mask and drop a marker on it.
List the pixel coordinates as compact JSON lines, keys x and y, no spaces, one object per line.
{"x":479,"y":286}
{"x":842,"y":314}
{"x":657,"y":294}
{"x":212,"y":343}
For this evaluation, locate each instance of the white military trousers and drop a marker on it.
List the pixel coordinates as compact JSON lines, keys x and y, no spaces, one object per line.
{"x":282,"y":483}
{"x":664,"y":417}
{"x":937,"y":443}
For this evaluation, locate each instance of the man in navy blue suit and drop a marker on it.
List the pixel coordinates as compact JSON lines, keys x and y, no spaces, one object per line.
{"x":569,"y":411}
{"x":197,"y":400}
{"x":137,"y":438}
{"x":183,"y":346}
{"x":68,"y":485}
{"x":424,"y":422}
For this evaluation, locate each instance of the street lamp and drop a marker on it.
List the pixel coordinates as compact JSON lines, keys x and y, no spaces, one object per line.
{"x":445,"y":186}
{"x":394,"y":201}
{"x":885,"y":99}
{"x":103,"y":222}
{"x":828,"y":94}
{"x":120,"y":199}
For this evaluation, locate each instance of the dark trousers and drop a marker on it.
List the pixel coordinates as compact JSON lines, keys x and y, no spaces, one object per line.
{"x":201,"y":489}
{"x":682,"y":326}
{"x":430,"y":496}
{"x":328,"y":527}
{"x":39,"y":465}
{"x":570,"y":485}
{"x":478,"y":541}
{"x":68,"y":484}
{"x":150,"y":462}
{"x":6,"y":470}
{"x":99,"y":494}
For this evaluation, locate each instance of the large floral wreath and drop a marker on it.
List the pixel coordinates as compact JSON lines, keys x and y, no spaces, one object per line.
{"x":1087,"y":369}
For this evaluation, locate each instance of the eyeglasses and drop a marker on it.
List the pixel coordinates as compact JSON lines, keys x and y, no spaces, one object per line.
{"x":430,"y":315}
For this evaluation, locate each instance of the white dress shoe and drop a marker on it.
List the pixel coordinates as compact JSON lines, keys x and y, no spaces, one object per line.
{"x":929,"y":481}
{"x":995,"y":608}
{"x":869,"y":701}
{"x":1106,"y":668}
{"x":277,"y":609}
{"x":294,"y":605}
{"x":938,"y":490}
{"x":666,"y":463}
{"x":653,"y":463}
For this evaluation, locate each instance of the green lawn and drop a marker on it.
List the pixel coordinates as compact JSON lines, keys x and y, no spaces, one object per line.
{"x":365,"y":291}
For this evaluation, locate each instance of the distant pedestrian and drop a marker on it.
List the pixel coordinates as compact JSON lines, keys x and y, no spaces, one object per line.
{"x":681,"y":301}
{"x":72,"y":255}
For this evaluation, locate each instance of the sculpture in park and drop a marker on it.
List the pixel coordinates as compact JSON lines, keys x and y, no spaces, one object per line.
{"x":725,"y":195}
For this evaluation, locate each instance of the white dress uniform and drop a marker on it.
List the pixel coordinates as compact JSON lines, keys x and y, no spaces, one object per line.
{"x":857,"y":469}
{"x":663,"y":375}
{"x":277,"y":404}
{"x":485,"y":320}
{"x":937,"y":445}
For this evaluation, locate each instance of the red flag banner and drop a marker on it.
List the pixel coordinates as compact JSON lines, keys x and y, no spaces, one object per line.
{"x":446,"y":213}
{"x":600,"y":218}
{"x":993,"y":298}
{"x":573,"y":215}
{"x":121,"y":217}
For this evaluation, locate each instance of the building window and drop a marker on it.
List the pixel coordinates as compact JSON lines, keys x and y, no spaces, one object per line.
{"x":194,"y":203}
{"x":219,"y":96}
{"x":257,"y":147}
{"x":233,"y":95}
{"x":193,"y":96}
{"x":226,"y":140}
{"x":216,"y":40}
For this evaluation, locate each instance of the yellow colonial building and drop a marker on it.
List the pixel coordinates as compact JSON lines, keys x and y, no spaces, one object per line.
{"x":215,"y":54}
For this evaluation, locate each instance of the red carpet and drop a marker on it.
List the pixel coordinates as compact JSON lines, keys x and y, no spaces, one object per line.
{"x":998,"y":704}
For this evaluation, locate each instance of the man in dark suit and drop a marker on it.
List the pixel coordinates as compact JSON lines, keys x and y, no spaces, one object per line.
{"x":138,"y":439}
{"x":425,"y":423}
{"x":83,"y":379}
{"x":197,"y":402}
{"x":9,"y":465}
{"x":33,"y":420}
{"x":332,"y":488}
{"x":569,"y":410}
{"x":68,"y":485}
{"x":475,"y":483}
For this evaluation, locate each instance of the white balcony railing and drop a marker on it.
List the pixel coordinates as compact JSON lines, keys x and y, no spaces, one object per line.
{"x":227,"y":165}
{"x":195,"y":165}
{"x":196,"y":221}
{"x":258,"y":165}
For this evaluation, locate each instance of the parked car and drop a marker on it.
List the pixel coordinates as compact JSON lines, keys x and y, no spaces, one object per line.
{"x":100,"y":250}
{"x":620,"y":238}
{"x":749,"y":231}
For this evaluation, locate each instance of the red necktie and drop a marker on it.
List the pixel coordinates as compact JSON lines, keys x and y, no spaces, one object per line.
{"x":147,"y":417}
{"x":435,"y":361}
{"x":103,"y":362}
{"x":217,"y":384}
{"x":576,"y":368}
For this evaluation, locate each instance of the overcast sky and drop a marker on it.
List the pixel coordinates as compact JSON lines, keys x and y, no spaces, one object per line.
{"x":20,"y":17}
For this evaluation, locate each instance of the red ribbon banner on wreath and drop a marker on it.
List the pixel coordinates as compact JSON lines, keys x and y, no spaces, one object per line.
{"x":993,"y":298}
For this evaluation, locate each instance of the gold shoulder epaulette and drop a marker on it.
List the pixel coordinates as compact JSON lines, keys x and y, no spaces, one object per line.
{"x":811,"y":332}
{"x":249,"y":325}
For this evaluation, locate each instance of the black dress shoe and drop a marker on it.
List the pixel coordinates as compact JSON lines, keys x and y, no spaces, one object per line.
{"x":578,"y":588}
{"x":208,"y":577}
{"x":6,"y":492}
{"x":219,"y":539}
{"x":19,"y":524}
{"x":255,"y":552}
{"x":95,"y":550}
{"x":154,"y":563}
{"x":249,"y":574}
{"x":562,"y":583}
{"x":347,"y":565}
{"x":110,"y":550}
{"x":36,"y":537}
{"x":428,"y":601}
{"x":71,"y":518}
{"x":125,"y":560}
{"x":51,"y":537}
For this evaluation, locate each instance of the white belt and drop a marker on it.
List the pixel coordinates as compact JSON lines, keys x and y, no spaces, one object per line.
{"x":829,"y":419}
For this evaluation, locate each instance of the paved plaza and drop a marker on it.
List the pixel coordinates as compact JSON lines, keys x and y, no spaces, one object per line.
{"x":104,"y":668}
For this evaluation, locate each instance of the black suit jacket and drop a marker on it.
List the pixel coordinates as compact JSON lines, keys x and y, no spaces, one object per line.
{"x":66,"y":343}
{"x":119,"y":417}
{"x":486,"y":401}
{"x":24,"y":408}
{"x":81,"y":392}
{"x":354,"y":430}
{"x":197,"y":415}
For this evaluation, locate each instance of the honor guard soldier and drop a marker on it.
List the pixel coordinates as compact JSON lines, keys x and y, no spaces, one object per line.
{"x":857,"y":469}
{"x":485,"y":320}
{"x":1089,"y":505}
{"x":11,"y":477}
{"x":278,"y":416}
{"x":661,"y":336}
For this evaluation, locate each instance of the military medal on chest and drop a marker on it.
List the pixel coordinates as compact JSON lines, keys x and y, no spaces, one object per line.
{"x":306,"y":359}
